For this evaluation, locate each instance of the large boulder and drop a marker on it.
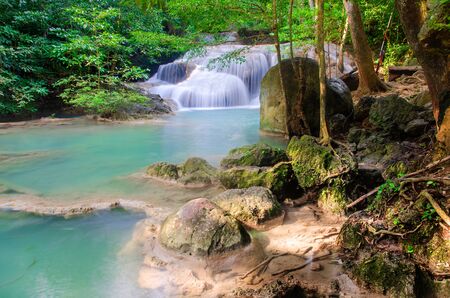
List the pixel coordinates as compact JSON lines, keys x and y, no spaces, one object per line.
{"x":256,"y":207}
{"x":260,"y":155}
{"x":280,"y":179}
{"x":284,"y":114}
{"x":202,"y":228}
{"x":194,"y":171}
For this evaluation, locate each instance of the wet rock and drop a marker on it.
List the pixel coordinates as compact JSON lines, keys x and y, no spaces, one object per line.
{"x":283,"y":114}
{"x":280,"y":179}
{"x":200,"y":227}
{"x":163,"y":170}
{"x":260,"y":155}
{"x":436,"y":253}
{"x":316,"y":267}
{"x":416,"y":127}
{"x":392,"y":113}
{"x":254,"y":206}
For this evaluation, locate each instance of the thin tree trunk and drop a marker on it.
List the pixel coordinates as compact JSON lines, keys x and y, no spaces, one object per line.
{"x":277,"y":47}
{"x":291,"y":9}
{"x":341,"y":47}
{"x":432,"y":54}
{"x":368,"y":79}
{"x":324,"y":133}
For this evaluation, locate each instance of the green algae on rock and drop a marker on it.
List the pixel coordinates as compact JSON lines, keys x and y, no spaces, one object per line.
{"x":387,"y":273}
{"x":202,"y":228}
{"x":280,"y":179}
{"x":194,"y":171}
{"x":254,"y":206}
{"x":163,"y":170}
{"x":260,"y":155}
{"x":333,"y":199}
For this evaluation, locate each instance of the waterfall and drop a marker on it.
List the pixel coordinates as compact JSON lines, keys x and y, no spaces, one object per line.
{"x":214,"y":80}
{"x":207,"y":81}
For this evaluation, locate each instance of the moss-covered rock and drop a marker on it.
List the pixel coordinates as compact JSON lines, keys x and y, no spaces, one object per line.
{"x":386,"y":273}
{"x":392,"y":113}
{"x":254,"y":206}
{"x":259,"y":155}
{"x":333,"y":198}
{"x":163,"y":170}
{"x":201,"y":228}
{"x":435,"y":253}
{"x":280,"y":179}
{"x":313,"y":163}
{"x":350,"y":236}
{"x":197,"y":171}
{"x":194,"y":172}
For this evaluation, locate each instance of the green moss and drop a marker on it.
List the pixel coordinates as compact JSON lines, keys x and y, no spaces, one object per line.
{"x":386,"y":273}
{"x":334,"y":198}
{"x":350,"y":236}
{"x":313,"y":163}
{"x":163,"y":170}
{"x":260,"y":155}
{"x":395,"y":170}
{"x":243,"y":177}
{"x":196,"y":164}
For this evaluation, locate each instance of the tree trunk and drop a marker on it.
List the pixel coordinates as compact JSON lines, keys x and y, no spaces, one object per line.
{"x":324,"y":133}
{"x":368,"y":79}
{"x":431,"y":49}
{"x":341,"y":48}
{"x":277,"y":47}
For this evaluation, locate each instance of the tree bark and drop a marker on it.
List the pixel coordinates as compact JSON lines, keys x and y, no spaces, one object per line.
{"x":431,"y":49}
{"x":341,"y":47}
{"x":324,"y":133}
{"x":368,"y":79}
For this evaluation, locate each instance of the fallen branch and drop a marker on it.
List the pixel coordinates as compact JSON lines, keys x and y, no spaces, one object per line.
{"x":268,"y":260}
{"x":327,"y":236}
{"x":436,"y":206}
{"x":386,"y":232}
{"x":306,"y":263}
{"x":375,"y":190}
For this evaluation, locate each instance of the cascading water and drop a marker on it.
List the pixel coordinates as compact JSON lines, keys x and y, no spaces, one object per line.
{"x":201,"y":83}
{"x":214,"y":80}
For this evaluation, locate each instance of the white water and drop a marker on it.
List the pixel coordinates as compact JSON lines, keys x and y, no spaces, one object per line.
{"x":200,"y":83}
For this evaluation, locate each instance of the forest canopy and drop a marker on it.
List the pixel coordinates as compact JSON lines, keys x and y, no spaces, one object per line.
{"x":79,"y":53}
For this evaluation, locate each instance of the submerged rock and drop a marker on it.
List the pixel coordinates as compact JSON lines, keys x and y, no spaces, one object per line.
{"x":280,"y":179}
{"x":254,"y":206}
{"x":194,"y":171}
{"x":260,"y":155}
{"x":283,"y":114}
{"x":202,"y":228}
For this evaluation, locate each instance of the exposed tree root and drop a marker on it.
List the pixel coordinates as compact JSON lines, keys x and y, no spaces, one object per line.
{"x":408,"y":178}
{"x":306,"y":263}
{"x":264,"y":264}
{"x":436,"y":206}
{"x":386,"y":232}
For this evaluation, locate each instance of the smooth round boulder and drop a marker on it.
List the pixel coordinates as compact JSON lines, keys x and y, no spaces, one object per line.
{"x":202,"y":228}
{"x":293,"y":108}
{"x":259,"y":155}
{"x":255,"y":207}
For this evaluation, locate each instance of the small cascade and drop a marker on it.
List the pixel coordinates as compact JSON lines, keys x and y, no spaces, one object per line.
{"x":208,"y":81}
{"x":214,"y":80}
